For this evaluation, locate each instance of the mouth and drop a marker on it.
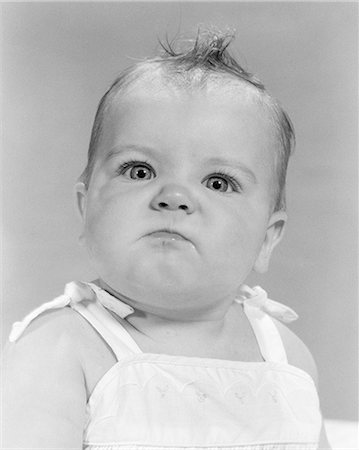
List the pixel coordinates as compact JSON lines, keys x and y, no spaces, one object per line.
{"x":167,"y":234}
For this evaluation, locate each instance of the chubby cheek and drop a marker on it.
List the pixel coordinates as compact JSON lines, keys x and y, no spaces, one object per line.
{"x":239,"y":243}
{"x":107,"y":229}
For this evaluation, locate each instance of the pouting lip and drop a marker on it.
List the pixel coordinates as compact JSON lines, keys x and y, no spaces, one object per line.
{"x":170,"y":232}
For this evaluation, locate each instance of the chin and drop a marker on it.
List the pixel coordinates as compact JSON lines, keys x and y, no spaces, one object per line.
{"x":152,"y":287}
{"x":163,"y":283}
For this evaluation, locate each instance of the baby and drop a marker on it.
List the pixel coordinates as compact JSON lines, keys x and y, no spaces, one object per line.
{"x":182,"y":197}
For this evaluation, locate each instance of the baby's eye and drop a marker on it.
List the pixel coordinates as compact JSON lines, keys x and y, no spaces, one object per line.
{"x":222,"y":183}
{"x":137,"y":170}
{"x":140,"y":173}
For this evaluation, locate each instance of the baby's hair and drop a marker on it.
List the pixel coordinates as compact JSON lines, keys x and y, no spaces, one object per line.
{"x":205,"y":59}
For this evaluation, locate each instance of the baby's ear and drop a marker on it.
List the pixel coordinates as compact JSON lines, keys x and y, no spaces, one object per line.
{"x":274,"y":234}
{"x":81,"y":194}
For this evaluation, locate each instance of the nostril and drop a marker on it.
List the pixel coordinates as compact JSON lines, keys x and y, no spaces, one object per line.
{"x":165,"y":205}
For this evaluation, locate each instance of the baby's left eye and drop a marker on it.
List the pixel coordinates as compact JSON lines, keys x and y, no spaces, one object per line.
{"x":137,"y":170}
{"x":140,"y":172}
{"x":221,"y":183}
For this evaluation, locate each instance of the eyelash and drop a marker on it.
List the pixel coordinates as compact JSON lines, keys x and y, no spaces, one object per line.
{"x":235,"y":185}
{"x":132,"y":163}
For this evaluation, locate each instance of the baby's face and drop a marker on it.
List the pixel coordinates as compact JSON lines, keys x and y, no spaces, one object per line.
{"x":178,"y":209}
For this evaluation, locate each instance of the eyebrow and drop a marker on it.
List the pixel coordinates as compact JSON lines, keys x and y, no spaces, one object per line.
{"x":118,"y":149}
{"x":215,"y":161}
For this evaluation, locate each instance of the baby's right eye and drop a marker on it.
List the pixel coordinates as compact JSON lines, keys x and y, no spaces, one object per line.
{"x":137,"y":170}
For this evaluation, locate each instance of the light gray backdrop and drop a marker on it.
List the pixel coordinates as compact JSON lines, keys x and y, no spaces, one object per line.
{"x":57,"y":61}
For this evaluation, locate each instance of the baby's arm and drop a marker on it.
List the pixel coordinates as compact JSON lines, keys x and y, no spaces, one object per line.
{"x":300,"y":356}
{"x":44,"y":390}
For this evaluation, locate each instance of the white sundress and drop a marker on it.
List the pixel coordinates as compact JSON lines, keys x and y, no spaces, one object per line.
{"x":164,"y":402}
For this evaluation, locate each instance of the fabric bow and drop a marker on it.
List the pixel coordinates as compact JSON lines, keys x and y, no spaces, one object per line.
{"x":75,"y":292}
{"x":257,"y":297}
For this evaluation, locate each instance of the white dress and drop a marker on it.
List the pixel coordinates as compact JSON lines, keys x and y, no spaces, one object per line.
{"x":164,"y":402}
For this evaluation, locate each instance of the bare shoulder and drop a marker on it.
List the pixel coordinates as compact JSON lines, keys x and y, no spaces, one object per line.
{"x":53,"y":331}
{"x":45,"y":384}
{"x":61,"y":338}
{"x":297,"y":352}
{"x":44,"y":391}
{"x":47,"y":343}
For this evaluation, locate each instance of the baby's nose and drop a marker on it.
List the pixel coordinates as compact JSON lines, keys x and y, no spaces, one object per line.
{"x":173,"y":197}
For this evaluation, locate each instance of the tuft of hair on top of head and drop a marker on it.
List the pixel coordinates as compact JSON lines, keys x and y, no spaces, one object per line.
{"x":208,"y":52}
{"x":191,"y":64}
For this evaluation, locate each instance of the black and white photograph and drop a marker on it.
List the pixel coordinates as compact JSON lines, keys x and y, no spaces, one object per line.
{"x":179,"y":225}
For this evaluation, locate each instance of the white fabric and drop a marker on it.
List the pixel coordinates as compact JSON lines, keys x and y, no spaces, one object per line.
{"x":116,"y":336}
{"x":156,"y":401}
{"x":257,"y":298}
{"x":75,"y":292}
{"x":342,"y":434}
{"x":166,"y":401}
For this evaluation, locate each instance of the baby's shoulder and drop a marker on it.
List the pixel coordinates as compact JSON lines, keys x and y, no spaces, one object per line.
{"x":298,"y":353}
{"x":51,"y":327}
{"x":52,"y":335}
{"x":55,"y":338}
{"x":44,"y":386}
{"x":61,"y":338}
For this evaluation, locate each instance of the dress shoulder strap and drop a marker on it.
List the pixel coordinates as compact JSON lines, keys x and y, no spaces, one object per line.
{"x":92,"y":303}
{"x":260,"y":309}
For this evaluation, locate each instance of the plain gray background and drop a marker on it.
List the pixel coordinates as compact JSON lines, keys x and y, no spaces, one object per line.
{"x":58,"y":59}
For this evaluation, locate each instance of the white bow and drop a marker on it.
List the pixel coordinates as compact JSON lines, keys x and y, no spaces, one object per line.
{"x":257,"y":297}
{"x":75,"y":292}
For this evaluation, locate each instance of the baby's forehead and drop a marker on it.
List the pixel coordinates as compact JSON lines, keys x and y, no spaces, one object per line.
{"x":218,"y":96}
{"x":136,"y":112}
{"x":196,"y":83}
{"x":219,"y":90}
{"x":217,"y":100}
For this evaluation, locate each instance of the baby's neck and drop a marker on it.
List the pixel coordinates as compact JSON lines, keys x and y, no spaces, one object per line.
{"x":229,"y":337}
{"x":199,"y":312}
{"x":207,"y":331}
{"x":163,"y":326}
{"x":221,"y":332}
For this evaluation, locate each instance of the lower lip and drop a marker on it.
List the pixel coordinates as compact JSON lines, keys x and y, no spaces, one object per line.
{"x":166,"y":236}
